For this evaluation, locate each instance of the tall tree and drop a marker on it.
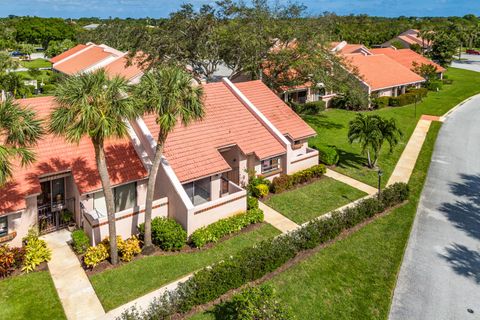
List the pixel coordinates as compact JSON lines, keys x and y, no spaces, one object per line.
{"x":372,"y":131}
{"x":20,"y":129}
{"x":95,"y":106}
{"x":168,"y":93}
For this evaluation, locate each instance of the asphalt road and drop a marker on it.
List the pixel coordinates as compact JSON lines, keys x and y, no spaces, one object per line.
{"x":440,"y":275}
{"x":472,"y":63}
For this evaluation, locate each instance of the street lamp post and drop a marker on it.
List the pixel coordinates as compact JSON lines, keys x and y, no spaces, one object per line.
{"x":380,"y":174}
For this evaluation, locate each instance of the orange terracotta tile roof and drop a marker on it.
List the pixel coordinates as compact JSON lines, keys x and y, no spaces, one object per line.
{"x":54,"y":154}
{"x":68,"y":53}
{"x":281,"y":116}
{"x":82,"y":61}
{"x":192,"y":151}
{"x":380,"y":71}
{"x":407,"y":57}
{"x":120,"y":67}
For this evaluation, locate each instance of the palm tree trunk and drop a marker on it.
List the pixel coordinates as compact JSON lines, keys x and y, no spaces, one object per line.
{"x":108,"y":193}
{"x":369,"y":159}
{"x":152,"y":178}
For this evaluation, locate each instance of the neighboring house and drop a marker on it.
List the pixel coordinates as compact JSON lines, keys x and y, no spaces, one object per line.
{"x":409,"y":38}
{"x":91,"y":26}
{"x":247,"y":129}
{"x":382,"y":72}
{"x":90,"y":57}
{"x":409,"y":59}
{"x":64,"y":178}
{"x":381,"y":75}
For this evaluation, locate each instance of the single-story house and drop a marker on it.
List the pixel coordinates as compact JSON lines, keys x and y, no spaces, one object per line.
{"x":409,"y":38}
{"x":247,"y":129}
{"x":409,"y":59}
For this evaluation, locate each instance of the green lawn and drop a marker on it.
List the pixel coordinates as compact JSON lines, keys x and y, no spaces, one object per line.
{"x":313,"y":200}
{"x":37,"y":63}
{"x":332,"y":126}
{"x":354,"y":278}
{"x":30,"y":296}
{"x":118,"y":286}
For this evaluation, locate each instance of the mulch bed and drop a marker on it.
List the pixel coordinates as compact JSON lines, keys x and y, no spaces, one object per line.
{"x":18,"y":272}
{"x":106,"y":265}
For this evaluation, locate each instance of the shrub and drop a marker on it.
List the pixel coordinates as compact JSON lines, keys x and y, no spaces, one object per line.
{"x":327,"y":155}
{"x":262,"y":190}
{"x":252,"y":203}
{"x":285,"y":182}
{"x":447,"y":81}
{"x":94,"y":255}
{"x":10,"y":259}
{"x":129,"y":248}
{"x":48,"y":88}
{"x":253,"y":303}
{"x":435,"y":85}
{"x":309,"y":108}
{"x":80,"y":241}
{"x":381,"y":102}
{"x":253,"y":263}
{"x":420,"y":92}
{"x":253,"y":182}
{"x":166,"y":234}
{"x":36,"y":252}
{"x":223,"y":227}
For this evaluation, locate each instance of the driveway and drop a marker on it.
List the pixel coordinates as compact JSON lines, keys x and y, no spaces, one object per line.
{"x":440,"y":275}
{"x":472,"y":62}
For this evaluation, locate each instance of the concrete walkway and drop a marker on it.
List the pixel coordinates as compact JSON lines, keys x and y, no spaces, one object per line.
{"x":404,"y":168}
{"x":351,"y":182}
{"x":276,"y":219}
{"x":76,"y":294}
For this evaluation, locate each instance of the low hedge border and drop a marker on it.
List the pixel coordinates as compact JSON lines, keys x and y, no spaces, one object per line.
{"x":253,"y":263}
{"x":285,"y":181}
{"x":217,"y":230}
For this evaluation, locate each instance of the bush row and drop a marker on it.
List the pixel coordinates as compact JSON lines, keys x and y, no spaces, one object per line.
{"x":253,"y":263}
{"x":167,"y":234}
{"x":308,"y":108}
{"x":286,"y":181}
{"x":223,"y":227}
{"x":127,"y":249}
{"x":401,"y":100}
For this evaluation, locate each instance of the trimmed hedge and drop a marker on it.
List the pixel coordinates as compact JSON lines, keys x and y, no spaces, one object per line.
{"x":223,"y":227}
{"x":253,"y":263}
{"x":80,"y":241}
{"x":167,"y":234}
{"x":436,"y":85}
{"x":309,"y":108}
{"x":381,"y":102}
{"x":327,"y":155}
{"x":285,"y":181}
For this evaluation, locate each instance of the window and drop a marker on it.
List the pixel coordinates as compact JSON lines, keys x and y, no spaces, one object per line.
{"x":3,"y":226}
{"x":198,"y":191}
{"x":270,"y":165}
{"x":124,"y":197}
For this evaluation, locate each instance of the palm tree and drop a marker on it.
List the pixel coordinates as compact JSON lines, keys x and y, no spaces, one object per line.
{"x":371,"y":132}
{"x":170,"y":94}
{"x":20,"y":129}
{"x":95,"y":106}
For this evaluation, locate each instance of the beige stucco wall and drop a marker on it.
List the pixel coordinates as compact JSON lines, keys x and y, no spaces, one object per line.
{"x":304,"y":161}
{"x":21,"y":221}
{"x":212,"y":211}
{"x":127,"y":222}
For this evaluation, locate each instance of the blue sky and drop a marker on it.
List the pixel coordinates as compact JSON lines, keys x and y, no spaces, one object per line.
{"x":161,"y":8}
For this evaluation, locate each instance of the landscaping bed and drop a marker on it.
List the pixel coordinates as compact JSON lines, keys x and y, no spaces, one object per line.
{"x":332,"y":126}
{"x":309,"y":201}
{"x":120,"y":285}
